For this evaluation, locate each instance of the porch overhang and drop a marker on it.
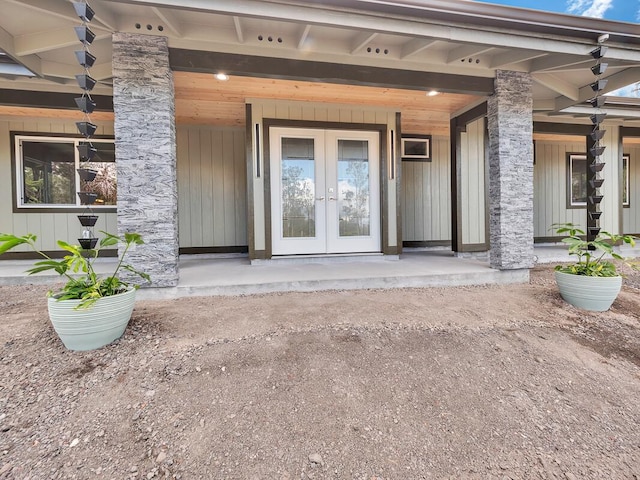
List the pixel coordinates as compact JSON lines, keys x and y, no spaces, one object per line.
{"x":442,"y":40}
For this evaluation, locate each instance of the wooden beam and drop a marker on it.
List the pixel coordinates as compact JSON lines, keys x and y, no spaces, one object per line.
{"x":514,"y":56}
{"x":465,"y":51}
{"x":303,"y":37}
{"x":415,"y":46}
{"x":55,"y":100}
{"x":550,"y":62}
{"x":283,"y":68}
{"x":30,"y":62}
{"x":169,"y":19}
{"x":614,"y":82}
{"x":63,"y":10}
{"x":557,"y":84}
{"x":47,"y":40}
{"x":562,"y":128}
{"x":630,"y":131}
{"x":362,"y":40}
{"x":238,"y":26}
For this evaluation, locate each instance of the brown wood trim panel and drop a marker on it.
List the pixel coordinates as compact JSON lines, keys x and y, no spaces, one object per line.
{"x":397,"y":148}
{"x":249,"y":160}
{"x":457,"y":126}
{"x":260,"y":255}
{"x":473,"y":247}
{"x":51,"y":254}
{"x":629,"y":132}
{"x":562,"y":128}
{"x":547,"y":239}
{"x":487,"y":194}
{"x":294,"y":69}
{"x":384,"y":193}
{"x":266,"y":170}
{"x":472,"y":114}
{"x":204,"y":250}
{"x":371,"y":127}
{"x":456,"y":180}
{"x":55,"y":100}
{"x":426,"y":243}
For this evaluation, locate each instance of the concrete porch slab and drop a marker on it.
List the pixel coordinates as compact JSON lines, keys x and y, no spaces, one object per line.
{"x":237,"y":277}
{"x":202,"y":275}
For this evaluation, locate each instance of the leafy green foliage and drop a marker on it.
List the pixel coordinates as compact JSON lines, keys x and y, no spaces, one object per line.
{"x":82,"y":281}
{"x":591,"y":261}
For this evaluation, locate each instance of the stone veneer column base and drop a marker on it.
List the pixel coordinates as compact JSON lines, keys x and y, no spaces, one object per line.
{"x":145,"y":140}
{"x":510,"y":123}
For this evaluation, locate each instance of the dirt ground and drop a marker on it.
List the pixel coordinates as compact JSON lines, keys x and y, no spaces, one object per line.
{"x":465,"y":382}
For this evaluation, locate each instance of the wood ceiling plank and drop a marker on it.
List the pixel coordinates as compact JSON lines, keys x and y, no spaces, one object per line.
{"x":201,"y":99}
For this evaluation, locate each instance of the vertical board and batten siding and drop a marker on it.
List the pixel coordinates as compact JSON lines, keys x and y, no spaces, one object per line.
{"x":212,"y":199}
{"x":631,"y":214}
{"x":426,"y":196}
{"x":550,"y":185}
{"x":472,"y":183}
{"x":282,"y":110}
{"x":48,"y":227}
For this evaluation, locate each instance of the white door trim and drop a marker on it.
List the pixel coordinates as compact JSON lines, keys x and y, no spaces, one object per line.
{"x":326,"y":194}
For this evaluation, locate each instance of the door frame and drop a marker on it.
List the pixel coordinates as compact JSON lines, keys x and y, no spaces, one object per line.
{"x":327,"y":239}
{"x":383,"y":132}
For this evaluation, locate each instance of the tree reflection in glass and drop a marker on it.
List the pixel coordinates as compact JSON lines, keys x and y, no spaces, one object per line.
{"x":353,"y":187}
{"x":298,"y":188}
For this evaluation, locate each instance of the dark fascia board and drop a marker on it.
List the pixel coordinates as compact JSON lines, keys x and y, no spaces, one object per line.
{"x":470,"y":115}
{"x":57,"y":100}
{"x":289,"y":69}
{"x":497,"y":16}
{"x":562,"y":128}
{"x":630,"y":131}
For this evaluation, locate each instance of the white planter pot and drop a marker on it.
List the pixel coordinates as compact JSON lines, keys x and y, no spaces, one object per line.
{"x":92,"y":327}
{"x":589,"y":293}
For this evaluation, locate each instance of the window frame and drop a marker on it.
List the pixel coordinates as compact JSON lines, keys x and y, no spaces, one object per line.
{"x":407,"y":139}
{"x":17,"y":172}
{"x":626,"y":203}
{"x":570,"y":158}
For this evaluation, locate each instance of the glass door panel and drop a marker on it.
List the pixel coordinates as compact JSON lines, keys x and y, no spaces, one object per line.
{"x":354,"y":207}
{"x":353,"y":173}
{"x":298,"y":184}
{"x":298,"y":210}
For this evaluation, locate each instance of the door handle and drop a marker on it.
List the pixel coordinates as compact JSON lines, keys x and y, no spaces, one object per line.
{"x":320,"y":199}
{"x":331,"y":198}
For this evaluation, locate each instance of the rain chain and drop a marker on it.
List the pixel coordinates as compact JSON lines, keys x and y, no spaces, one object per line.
{"x":595,"y":150}
{"x":86,"y":150}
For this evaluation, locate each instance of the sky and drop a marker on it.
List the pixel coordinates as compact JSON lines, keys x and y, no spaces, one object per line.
{"x":619,"y":10}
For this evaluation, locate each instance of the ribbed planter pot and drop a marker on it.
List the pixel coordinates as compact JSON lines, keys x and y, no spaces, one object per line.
{"x":589,"y":293}
{"x":92,"y":327}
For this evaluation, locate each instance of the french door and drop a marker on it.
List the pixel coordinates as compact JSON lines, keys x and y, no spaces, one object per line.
{"x":325,"y":191}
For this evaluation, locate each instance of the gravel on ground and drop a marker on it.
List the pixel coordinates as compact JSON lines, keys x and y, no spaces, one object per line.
{"x":486,"y":382}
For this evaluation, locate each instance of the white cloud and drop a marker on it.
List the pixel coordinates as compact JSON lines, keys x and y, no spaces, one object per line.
{"x":628,"y":91}
{"x":589,"y":8}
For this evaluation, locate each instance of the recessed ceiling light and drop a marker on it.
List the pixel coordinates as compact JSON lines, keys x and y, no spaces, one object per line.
{"x":223,"y":77}
{"x":432,"y":93}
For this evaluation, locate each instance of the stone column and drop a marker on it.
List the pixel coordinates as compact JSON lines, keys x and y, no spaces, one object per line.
{"x":510,"y":123}
{"x":145,"y":141}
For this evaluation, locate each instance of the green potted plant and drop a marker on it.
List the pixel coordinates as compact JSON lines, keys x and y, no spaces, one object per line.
{"x":592,"y":282}
{"x":90,"y":311}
